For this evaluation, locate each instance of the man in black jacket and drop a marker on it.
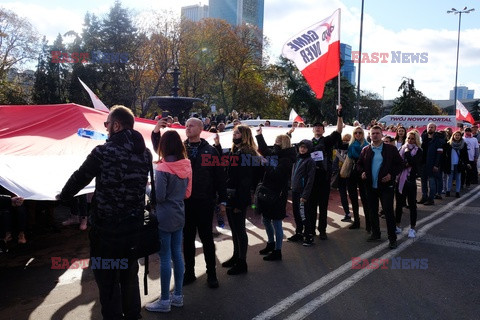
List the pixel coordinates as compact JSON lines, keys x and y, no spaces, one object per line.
{"x":208,"y":180}
{"x":379,"y":164}
{"x":120,"y":168}
{"x":322,"y":154}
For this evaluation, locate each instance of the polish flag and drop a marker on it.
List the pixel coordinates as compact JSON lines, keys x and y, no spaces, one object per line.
{"x":463,"y":114}
{"x":97,"y":103}
{"x":316,"y":52}
{"x":295,"y":117}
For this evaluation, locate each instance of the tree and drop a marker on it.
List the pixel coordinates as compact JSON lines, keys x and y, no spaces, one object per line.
{"x":475,"y":110}
{"x":413,"y":101}
{"x":18,"y":41}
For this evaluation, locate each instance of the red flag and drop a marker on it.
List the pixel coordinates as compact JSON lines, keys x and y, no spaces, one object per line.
{"x":463,"y":114}
{"x":316,"y":52}
{"x":295,"y":117}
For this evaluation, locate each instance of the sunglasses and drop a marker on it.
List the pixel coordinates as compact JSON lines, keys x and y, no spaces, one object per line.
{"x":358,"y":132}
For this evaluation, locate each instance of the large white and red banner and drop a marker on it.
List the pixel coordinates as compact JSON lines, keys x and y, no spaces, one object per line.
{"x":463,"y":114}
{"x":295,"y":117}
{"x":316,"y":52}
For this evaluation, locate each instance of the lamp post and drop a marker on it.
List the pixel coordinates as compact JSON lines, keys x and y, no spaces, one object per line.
{"x":459,"y":12}
{"x":359,"y":63}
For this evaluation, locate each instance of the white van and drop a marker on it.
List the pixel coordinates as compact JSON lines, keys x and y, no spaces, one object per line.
{"x":418,"y":120}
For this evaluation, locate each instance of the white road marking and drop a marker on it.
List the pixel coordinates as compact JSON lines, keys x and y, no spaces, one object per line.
{"x":453,"y":243}
{"x":350,"y":281}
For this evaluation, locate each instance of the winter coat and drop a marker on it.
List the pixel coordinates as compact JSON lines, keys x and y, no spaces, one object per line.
{"x":276,"y":176}
{"x":432,"y":152}
{"x":392,"y":164}
{"x":462,"y":159}
{"x":325,"y":144}
{"x":5,"y":202}
{"x":240,"y":178}
{"x":120,"y":168}
{"x":303,"y":174}
{"x":173,"y":184}
{"x":208,"y":179}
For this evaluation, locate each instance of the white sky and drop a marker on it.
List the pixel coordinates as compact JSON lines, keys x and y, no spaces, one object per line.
{"x":407,"y":26}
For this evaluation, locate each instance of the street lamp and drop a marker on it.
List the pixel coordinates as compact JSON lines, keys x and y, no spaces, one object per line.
{"x":359,"y":63}
{"x":459,"y":12}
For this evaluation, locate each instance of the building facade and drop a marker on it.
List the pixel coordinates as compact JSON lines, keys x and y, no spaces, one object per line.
{"x":462,"y":93}
{"x":348,"y":69}
{"x":195,"y":12}
{"x":238,"y":12}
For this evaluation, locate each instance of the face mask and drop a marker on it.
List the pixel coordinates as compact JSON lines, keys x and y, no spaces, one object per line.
{"x":468,"y":134}
{"x":237,"y":141}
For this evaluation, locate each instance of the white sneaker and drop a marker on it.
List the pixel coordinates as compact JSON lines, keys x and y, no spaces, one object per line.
{"x":398,"y":230}
{"x":70,"y":221}
{"x":412,"y":233}
{"x":177,"y":301}
{"x":159,"y":306}
{"x":83,"y":223}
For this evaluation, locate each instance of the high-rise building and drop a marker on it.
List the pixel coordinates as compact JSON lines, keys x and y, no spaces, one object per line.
{"x":348,"y":69}
{"x":195,"y":12}
{"x":462,"y":93}
{"x":237,"y":12}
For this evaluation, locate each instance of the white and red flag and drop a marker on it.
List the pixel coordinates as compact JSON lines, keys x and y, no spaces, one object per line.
{"x":97,"y":103}
{"x":295,"y":117}
{"x":463,"y":114}
{"x":316,"y":52}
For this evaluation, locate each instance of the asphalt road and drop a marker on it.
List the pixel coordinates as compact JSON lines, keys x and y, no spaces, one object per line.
{"x":434,"y":276}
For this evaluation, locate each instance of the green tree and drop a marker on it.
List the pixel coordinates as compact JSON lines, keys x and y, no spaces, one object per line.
{"x":413,"y":101}
{"x":475,"y":110}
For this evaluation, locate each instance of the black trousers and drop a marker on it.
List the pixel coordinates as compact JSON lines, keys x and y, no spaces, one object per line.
{"x":385,"y":195}
{"x":319,"y":198}
{"x":118,"y":288}
{"x":199,"y":217}
{"x":355,"y":181}
{"x":410,"y":194}
{"x":236,"y":220}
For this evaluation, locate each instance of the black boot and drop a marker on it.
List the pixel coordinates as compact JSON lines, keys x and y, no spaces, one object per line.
{"x":274,"y":255}
{"x":239,"y":268}
{"x":230,"y":262}
{"x":269,"y":248}
{"x":355,"y":225}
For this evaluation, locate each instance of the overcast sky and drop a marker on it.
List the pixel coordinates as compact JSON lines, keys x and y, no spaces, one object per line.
{"x":420,"y":26}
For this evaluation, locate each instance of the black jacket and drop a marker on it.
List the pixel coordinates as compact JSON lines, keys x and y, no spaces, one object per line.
{"x":392,"y":164}
{"x":240,"y":176}
{"x":276,"y":176}
{"x":447,"y":157}
{"x":208,"y":178}
{"x":120,"y":168}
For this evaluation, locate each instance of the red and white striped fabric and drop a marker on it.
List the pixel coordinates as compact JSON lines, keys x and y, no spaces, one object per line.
{"x":316,"y":52}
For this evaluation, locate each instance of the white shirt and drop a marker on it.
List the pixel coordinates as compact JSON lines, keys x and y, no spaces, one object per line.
{"x":472,"y":144}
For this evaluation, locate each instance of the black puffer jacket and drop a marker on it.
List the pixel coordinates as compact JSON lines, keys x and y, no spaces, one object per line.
{"x":120,"y":167}
{"x":276,"y":176}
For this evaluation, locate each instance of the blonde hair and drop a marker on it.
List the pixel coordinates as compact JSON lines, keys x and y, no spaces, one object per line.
{"x":453,"y":134}
{"x":284,"y":141}
{"x":352,"y":139}
{"x":417,"y":138}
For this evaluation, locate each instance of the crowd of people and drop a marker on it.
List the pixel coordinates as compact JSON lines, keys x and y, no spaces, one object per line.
{"x":382,"y":170}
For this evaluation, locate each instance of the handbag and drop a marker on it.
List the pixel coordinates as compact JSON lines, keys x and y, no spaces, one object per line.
{"x":265,"y":196}
{"x":347,"y":167}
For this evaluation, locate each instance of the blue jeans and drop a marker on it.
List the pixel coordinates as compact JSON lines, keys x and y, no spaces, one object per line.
{"x":171,"y":250}
{"x":429,"y":182}
{"x":458,"y":180}
{"x":274,"y":227}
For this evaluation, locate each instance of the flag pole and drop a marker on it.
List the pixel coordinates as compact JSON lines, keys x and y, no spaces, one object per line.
{"x":339,"y":30}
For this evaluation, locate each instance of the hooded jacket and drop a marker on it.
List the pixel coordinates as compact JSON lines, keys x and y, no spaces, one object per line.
{"x":304,"y":172}
{"x":173,"y":184}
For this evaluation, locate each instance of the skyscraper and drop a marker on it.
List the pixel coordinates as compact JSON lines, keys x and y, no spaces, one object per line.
{"x":237,"y":12}
{"x":462,"y":93}
{"x":348,"y":70}
{"x":195,"y":12}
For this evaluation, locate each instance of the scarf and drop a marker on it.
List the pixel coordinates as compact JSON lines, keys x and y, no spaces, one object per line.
{"x":458,"y":145}
{"x":404,"y":174}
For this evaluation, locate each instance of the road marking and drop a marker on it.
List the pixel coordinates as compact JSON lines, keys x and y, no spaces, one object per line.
{"x":453,"y":243}
{"x":310,"y":307}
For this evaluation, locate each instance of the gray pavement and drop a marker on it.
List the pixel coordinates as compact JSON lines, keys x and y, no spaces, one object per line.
{"x":315,"y":282}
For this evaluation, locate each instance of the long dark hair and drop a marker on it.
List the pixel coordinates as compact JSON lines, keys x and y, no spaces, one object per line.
{"x":171,"y":145}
